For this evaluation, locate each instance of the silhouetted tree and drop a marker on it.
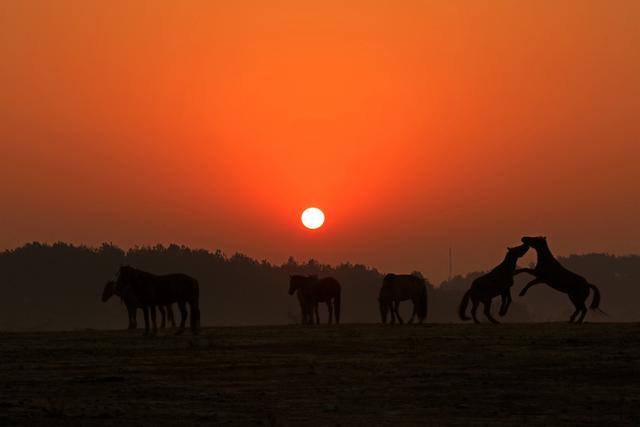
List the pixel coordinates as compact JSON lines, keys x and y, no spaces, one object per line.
{"x":58,"y":286}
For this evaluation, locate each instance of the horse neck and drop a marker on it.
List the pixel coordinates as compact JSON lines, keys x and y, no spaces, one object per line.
{"x":545,"y":255}
{"x":510,"y":261}
{"x":127,"y":295}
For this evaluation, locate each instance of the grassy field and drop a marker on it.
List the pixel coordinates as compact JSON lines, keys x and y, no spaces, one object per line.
{"x":517,"y":374}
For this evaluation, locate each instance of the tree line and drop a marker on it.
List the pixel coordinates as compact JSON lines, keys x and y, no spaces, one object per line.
{"x":58,"y":287}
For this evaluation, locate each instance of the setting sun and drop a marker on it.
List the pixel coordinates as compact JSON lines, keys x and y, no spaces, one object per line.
{"x":312,"y":218}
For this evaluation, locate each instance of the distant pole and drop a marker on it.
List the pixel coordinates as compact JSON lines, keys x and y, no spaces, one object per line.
{"x":450,"y":264}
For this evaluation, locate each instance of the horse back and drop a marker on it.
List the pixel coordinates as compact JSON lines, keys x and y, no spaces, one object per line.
{"x":561,"y":278}
{"x":323,"y":290}
{"x":177,"y":287}
{"x":401,"y":287}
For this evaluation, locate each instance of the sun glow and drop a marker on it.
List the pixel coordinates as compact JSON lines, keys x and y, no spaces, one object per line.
{"x":312,"y":218}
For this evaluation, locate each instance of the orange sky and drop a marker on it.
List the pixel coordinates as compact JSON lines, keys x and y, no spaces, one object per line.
{"x":415,"y":126}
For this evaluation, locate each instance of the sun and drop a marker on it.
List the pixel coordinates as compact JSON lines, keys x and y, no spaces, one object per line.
{"x":312,"y":218}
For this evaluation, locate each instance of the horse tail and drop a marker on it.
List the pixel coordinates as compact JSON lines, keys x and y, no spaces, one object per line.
{"x":422,"y":302}
{"x":194,"y":305}
{"x":463,"y":306}
{"x":595,"y":303}
{"x":336,"y":306}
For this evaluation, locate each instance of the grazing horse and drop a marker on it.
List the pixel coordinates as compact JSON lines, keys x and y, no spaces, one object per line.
{"x":312,"y":291}
{"x":548,"y":270}
{"x":496,"y":282}
{"x":130,"y":301}
{"x":152,"y":290}
{"x":402,"y":287}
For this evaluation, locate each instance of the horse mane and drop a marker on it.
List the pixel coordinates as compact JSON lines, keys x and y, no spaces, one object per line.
{"x":127,"y":269}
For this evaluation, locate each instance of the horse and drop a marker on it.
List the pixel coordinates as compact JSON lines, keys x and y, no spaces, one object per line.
{"x":152,"y":290}
{"x":311,"y":291}
{"x":402,"y":287}
{"x":548,"y":270}
{"x":488,"y":286}
{"x":129,"y":299}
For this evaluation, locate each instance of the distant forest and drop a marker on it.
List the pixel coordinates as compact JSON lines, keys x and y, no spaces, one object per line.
{"x":58,"y":287}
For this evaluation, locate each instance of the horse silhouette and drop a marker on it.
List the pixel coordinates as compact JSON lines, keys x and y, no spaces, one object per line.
{"x":402,"y":287}
{"x":311,"y":291}
{"x":152,"y":290}
{"x":496,"y":282}
{"x":131,"y":302}
{"x":548,"y":270}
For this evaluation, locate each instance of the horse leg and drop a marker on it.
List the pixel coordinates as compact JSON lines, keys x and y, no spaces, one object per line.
{"x":584,"y":313}
{"x":153,"y":320}
{"x":530,"y":284}
{"x":309,"y":313}
{"x":573,"y":316}
{"x":506,"y":302}
{"x":195,"y":316}
{"x":170,"y":317}
{"x":525,"y":270}
{"x":393,"y":313}
{"x":330,"y":308}
{"x":415,"y":310}
{"x":131,"y":312}
{"x":183,"y":316}
{"x":396,"y":308}
{"x":581,"y":308}
{"x":474,"y":307}
{"x":163,"y":316}
{"x":487,"y":311}
{"x":145,"y":312}
{"x":315,"y":306}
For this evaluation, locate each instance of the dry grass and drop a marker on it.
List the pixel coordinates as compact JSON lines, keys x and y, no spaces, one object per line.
{"x":529,"y":374}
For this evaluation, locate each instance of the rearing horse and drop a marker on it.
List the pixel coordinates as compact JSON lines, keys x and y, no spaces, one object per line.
{"x":496,"y":282}
{"x":548,"y":270}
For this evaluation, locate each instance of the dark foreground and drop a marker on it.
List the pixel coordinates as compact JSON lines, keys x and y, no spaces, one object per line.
{"x":530,"y":374}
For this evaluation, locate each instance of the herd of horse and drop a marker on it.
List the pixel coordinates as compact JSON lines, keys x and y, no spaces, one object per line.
{"x":141,"y":290}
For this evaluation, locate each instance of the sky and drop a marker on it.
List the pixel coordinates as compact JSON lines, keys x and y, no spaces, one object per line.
{"x":416,"y":126}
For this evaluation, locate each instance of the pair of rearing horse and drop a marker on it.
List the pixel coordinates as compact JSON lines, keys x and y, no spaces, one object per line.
{"x":548,"y":270}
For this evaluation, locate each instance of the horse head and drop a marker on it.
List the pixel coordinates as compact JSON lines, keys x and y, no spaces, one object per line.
{"x":295,"y":282}
{"x":109,"y":291}
{"x":537,"y":243}
{"x":518,"y":251}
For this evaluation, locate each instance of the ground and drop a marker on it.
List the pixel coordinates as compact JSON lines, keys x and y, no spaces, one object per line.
{"x":515,"y":374}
